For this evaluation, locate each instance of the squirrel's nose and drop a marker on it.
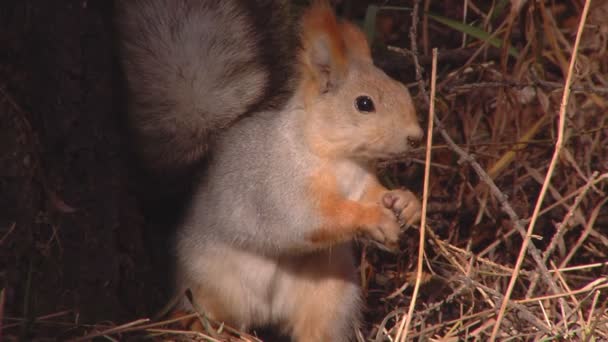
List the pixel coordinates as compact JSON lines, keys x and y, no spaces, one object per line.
{"x":414,"y":141}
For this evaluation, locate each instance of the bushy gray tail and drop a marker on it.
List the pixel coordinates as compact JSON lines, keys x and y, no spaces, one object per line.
{"x":194,"y":66}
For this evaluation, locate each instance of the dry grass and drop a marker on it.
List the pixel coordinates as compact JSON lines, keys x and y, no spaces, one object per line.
{"x":516,"y":243}
{"x":547,"y":297}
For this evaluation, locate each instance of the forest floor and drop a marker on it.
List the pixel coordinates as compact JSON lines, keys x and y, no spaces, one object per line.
{"x":84,"y":244}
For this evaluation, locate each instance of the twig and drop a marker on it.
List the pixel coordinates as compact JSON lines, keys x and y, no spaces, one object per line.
{"x":554,"y":160}
{"x":481,"y":173}
{"x":483,"y":314}
{"x":536,"y":83}
{"x":36,"y":150}
{"x":2,"y":301}
{"x":425,"y":197}
{"x":585,"y":234}
{"x":596,"y":285}
{"x":10,"y":230}
{"x":561,"y":227}
{"x":39,"y":319}
{"x":593,"y":325}
{"x":467,"y":254}
{"x":464,"y":156}
{"x":113,"y":330}
{"x":413,"y":37}
{"x":449,"y":299}
{"x":525,"y":313}
{"x":414,"y":48}
{"x":503,"y":201}
{"x":183,"y":332}
{"x":202,"y":317}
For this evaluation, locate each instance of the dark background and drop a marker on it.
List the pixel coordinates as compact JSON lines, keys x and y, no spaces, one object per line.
{"x":72,"y":199}
{"x":84,"y":230}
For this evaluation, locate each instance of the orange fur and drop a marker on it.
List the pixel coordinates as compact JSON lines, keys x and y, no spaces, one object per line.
{"x":247,"y":275}
{"x":374,"y":192}
{"x":210,"y":305}
{"x":190,"y":323}
{"x":326,"y":278}
{"x":356,"y":42}
{"x":320,"y":145}
{"x":342,"y":218}
{"x":315,"y":315}
{"x":320,"y":26}
{"x":324,"y":53}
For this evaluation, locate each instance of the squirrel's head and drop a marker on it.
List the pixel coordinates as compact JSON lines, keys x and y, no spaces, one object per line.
{"x":355,"y":109}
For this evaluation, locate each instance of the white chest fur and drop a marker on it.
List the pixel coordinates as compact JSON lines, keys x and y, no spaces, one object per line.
{"x":352,"y":178}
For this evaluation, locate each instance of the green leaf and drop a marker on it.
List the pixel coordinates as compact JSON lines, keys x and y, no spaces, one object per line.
{"x":500,"y":7}
{"x":473,"y":31}
{"x":369,"y":23}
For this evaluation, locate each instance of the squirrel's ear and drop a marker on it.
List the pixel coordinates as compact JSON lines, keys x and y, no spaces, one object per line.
{"x":324,"y":50}
{"x":357,"y":45}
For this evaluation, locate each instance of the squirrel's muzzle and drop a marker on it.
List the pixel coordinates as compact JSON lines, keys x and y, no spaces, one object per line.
{"x":414,"y":142}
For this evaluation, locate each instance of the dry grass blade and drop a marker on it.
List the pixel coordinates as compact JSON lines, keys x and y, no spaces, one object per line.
{"x":405,"y":325}
{"x":465,"y":157}
{"x":558,"y":146}
{"x":585,"y":234}
{"x":508,"y":157}
{"x":496,"y":123}
{"x":596,"y":285}
{"x":114,"y":330}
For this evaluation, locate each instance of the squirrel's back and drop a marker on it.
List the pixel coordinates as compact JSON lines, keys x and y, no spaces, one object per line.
{"x":195,"y":66}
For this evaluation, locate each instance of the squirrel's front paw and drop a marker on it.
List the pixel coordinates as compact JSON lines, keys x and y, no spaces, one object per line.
{"x":386,"y":229}
{"x":404,"y":205}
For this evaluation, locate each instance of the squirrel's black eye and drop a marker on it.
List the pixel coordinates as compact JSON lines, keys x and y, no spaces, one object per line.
{"x":365,"y":104}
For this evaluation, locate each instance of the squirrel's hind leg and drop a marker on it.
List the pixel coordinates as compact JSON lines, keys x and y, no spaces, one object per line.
{"x":324,"y":299}
{"x":229,"y":285}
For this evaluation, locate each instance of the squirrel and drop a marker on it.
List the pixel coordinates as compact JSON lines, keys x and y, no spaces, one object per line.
{"x":289,"y":182}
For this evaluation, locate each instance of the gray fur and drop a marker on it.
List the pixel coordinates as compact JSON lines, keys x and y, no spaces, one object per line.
{"x":193,"y":67}
{"x":245,"y":235}
{"x":247,"y":247}
{"x":266,"y":165}
{"x":246,"y":239}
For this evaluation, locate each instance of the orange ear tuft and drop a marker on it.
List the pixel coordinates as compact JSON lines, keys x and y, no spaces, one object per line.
{"x":324,"y":52}
{"x":320,"y":26}
{"x":356,"y":42}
